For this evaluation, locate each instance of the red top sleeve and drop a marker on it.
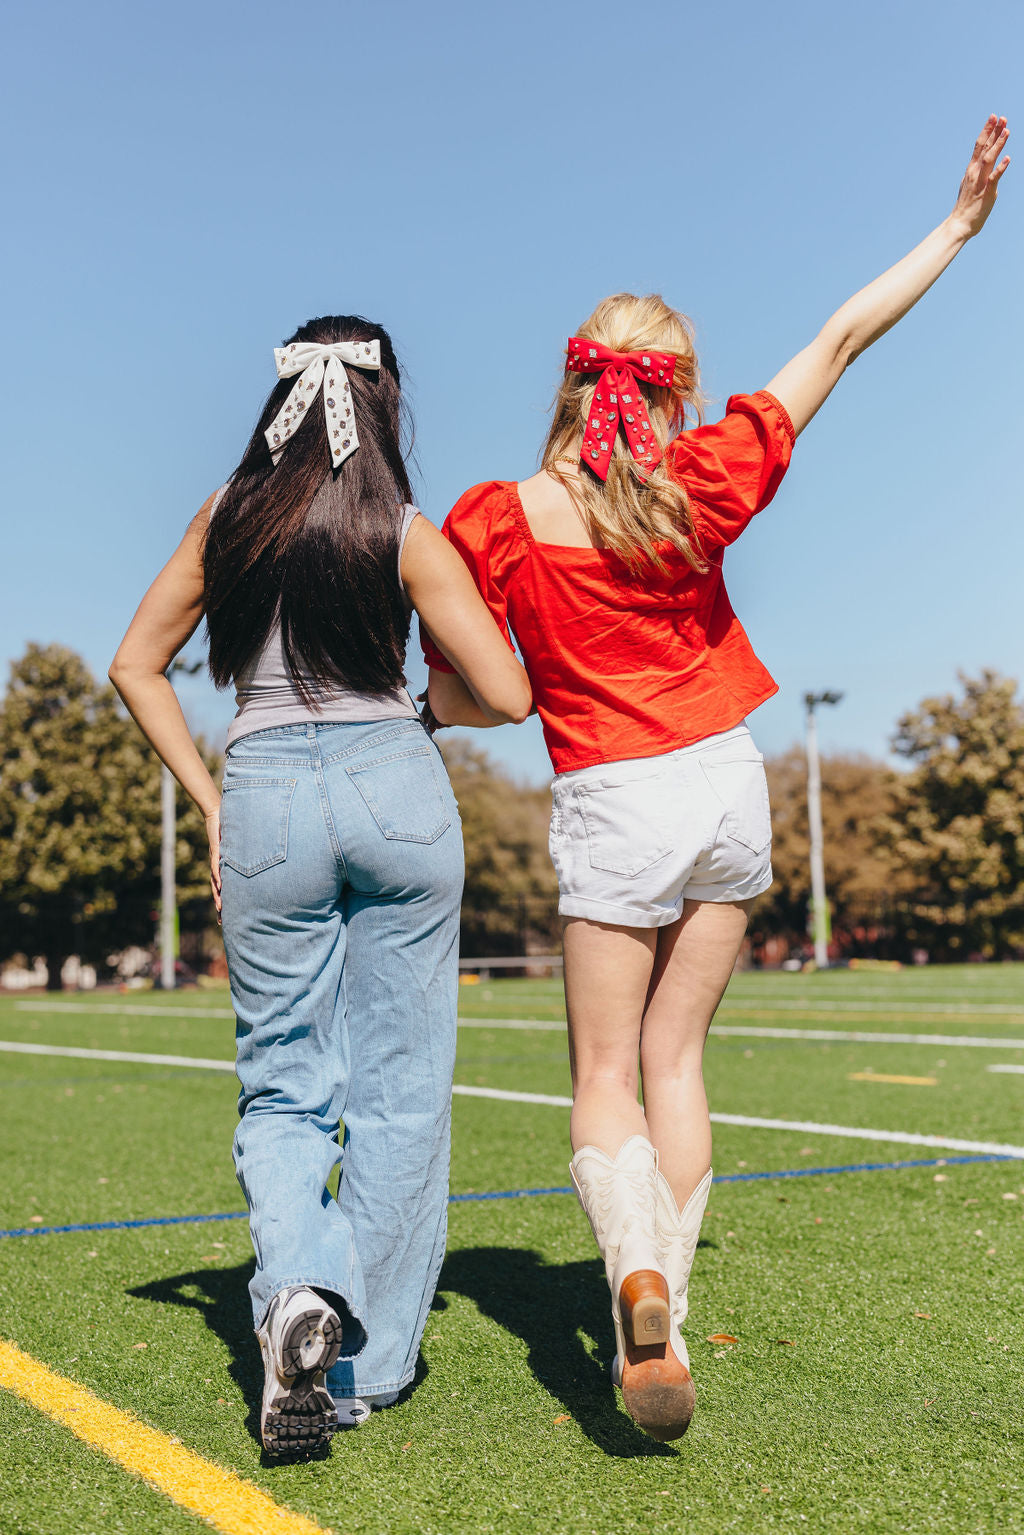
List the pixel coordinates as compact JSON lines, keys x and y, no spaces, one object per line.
{"x":732,"y":469}
{"x":481,"y":527}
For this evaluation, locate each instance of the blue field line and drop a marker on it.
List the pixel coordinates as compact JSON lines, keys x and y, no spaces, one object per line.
{"x":459,"y":1199}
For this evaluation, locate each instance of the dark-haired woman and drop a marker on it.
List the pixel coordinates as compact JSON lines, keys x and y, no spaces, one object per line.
{"x":336,"y":861}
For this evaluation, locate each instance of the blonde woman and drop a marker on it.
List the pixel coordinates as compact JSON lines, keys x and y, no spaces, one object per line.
{"x":607,"y":568}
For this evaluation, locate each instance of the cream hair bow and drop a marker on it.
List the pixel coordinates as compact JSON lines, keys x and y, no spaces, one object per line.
{"x":320,"y":365}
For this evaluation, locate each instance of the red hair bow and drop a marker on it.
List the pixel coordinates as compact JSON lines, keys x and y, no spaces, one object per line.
{"x":619,"y":399}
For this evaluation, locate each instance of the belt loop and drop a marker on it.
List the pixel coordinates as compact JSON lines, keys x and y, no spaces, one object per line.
{"x":314,"y":749}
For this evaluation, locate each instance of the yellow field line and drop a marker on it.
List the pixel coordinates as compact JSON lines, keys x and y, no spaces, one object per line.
{"x":219,"y":1497}
{"x":881,"y":1076}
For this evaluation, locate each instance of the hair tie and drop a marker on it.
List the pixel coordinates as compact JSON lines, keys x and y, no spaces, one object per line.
{"x":618,"y":399}
{"x":320,"y":364}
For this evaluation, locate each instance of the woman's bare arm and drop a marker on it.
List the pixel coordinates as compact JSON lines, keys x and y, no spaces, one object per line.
{"x":806,"y":382}
{"x":168,"y":616}
{"x":452,"y":703}
{"x":492,"y":688}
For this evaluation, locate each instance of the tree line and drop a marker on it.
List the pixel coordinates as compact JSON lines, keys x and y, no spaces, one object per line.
{"x":928,"y":857}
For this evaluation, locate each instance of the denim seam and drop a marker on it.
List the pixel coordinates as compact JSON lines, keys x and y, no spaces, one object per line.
{"x":288,"y":762}
{"x":385,"y":1387}
{"x":260,"y":783}
{"x":325,"y":810}
{"x":429,"y":1291}
{"x":365,"y":767}
{"x":375,"y":740}
{"x":380,"y":740}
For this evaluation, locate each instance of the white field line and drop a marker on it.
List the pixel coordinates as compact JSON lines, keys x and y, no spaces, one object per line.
{"x":1019,"y":1070}
{"x":550,"y":1100}
{"x":543,"y":1024}
{"x":79,"y":1053}
{"x":805,"y":1005}
{"x":805,"y":1126}
{"x":129,"y":1009}
{"x":858,"y":1037}
{"x":741,"y":1031}
{"x":739,"y":1004}
{"x":846,"y":1132}
{"x":755,"y":1031}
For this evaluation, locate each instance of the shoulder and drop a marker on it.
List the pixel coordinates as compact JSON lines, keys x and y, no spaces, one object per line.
{"x":488,"y":504}
{"x":754,"y":426}
{"x":486,"y":517}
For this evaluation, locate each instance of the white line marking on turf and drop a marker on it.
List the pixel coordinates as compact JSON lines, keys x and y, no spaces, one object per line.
{"x":864,"y":1037}
{"x":500,"y":1092}
{"x":555,"y":1026}
{"x":755,"y":1031}
{"x":904,"y":1137}
{"x":805,"y":1005}
{"x":130,"y":1008}
{"x":77,"y":1052}
{"x":805,"y":1126}
{"x":751,"y":1004}
{"x":1015,"y":1069}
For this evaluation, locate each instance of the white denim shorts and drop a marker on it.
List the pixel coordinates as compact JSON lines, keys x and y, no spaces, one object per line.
{"x":630,"y":841}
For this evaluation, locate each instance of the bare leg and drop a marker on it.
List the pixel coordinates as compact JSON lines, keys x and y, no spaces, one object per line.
{"x":695,"y":958}
{"x":607,"y":974}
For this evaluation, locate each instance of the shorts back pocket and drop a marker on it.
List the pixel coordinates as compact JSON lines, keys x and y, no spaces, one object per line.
{"x":254,"y":823}
{"x":741,"y":788}
{"x":625,"y":831}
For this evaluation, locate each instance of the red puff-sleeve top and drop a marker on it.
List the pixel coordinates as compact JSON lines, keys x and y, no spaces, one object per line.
{"x":626,"y":663}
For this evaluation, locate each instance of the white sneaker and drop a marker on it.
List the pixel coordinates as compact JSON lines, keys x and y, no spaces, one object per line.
{"x":299,"y":1340}
{"x":351,"y":1410}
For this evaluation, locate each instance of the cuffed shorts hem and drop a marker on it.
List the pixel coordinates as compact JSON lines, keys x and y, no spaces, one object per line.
{"x":641,"y":916}
{"x":621,"y":916}
{"x":745,"y":890}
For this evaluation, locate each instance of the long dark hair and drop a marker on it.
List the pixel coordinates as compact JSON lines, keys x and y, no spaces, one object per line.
{"x":315,"y":546}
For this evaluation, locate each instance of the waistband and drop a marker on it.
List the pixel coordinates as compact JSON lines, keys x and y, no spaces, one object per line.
{"x":599,"y":770}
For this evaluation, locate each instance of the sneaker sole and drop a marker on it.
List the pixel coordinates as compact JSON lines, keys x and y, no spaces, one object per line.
{"x":299,"y":1415}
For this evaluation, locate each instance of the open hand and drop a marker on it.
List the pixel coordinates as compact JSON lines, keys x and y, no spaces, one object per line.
{"x":978,"y":189}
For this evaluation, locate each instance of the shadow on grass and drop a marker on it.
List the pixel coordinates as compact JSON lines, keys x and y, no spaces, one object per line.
{"x":556,"y":1308}
{"x":221,"y":1296}
{"x":559,"y":1310}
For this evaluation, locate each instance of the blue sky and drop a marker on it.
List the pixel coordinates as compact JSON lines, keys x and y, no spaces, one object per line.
{"x":185,"y":183}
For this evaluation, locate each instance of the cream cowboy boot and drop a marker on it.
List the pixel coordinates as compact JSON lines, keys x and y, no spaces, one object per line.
{"x":677,"y":1235}
{"x":619,"y":1197}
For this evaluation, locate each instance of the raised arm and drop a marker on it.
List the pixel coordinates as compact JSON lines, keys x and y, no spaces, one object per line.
{"x":491,"y":687}
{"x":166,"y":620}
{"x":806,"y":382}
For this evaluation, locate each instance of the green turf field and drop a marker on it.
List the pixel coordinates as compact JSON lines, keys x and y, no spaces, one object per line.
{"x":875,"y":1384}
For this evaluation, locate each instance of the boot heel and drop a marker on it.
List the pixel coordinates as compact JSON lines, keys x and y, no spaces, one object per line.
{"x":643,"y":1303}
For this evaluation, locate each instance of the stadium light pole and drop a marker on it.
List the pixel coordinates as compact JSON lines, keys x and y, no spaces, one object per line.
{"x":819,"y":906}
{"x":168,"y":841}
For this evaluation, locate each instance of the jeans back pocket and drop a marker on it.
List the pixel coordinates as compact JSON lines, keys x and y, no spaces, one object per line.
{"x":254,"y":823}
{"x":402,"y":793}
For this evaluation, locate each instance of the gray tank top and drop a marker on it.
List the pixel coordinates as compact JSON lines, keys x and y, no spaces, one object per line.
{"x":266,"y":695}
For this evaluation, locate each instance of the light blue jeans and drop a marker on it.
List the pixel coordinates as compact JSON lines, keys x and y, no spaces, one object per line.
{"x":342,"y":867}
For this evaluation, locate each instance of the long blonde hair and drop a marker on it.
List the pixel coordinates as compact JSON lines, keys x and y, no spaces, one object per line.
{"x":628,"y":513}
